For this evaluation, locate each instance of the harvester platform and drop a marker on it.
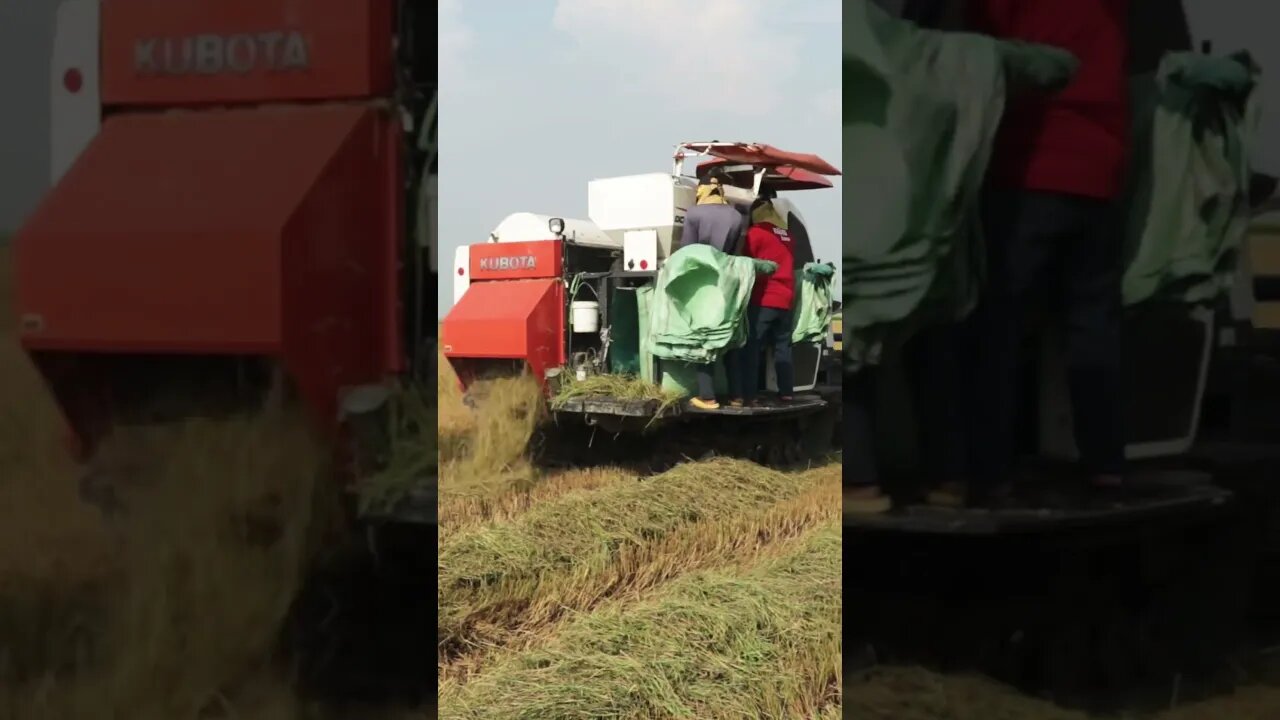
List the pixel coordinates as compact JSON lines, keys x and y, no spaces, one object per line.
{"x":1053,"y":506}
{"x":802,"y":404}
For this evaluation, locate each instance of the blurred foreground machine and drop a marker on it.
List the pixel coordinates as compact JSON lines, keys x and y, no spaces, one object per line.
{"x":1117,"y":601}
{"x":242,"y":212}
{"x":561,"y":298}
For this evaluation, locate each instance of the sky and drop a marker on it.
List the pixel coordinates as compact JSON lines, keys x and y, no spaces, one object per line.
{"x":538,"y":97}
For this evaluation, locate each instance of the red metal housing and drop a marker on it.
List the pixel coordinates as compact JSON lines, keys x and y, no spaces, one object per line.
{"x":269,"y":231}
{"x":173,"y":53}
{"x":513,"y":311}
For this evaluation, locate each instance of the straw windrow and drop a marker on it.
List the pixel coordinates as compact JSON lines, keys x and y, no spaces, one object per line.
{"x":715,"y":644}
{"x":731,"y":541}
{"x":459,"y":513}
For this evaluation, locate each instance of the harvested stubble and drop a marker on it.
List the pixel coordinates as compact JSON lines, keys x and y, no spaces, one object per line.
{"x":620,"y":387}
{"x":1249,"y":703}
{"x":715,"y":644}
{"x":900,"y":693}
{"x":726,"y":542}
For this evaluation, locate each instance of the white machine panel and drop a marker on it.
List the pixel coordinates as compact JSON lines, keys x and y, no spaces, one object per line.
{"x":461,"y":272}
{"x":653,"y":201}
{"x":530,"y":227}
{"x":640,"y":250}
{"x":75,"y":99}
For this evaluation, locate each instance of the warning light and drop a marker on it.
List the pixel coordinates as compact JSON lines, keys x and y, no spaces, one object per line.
{"x":461,"y":272}
{"x":72,"y":80}
{"x":644,"y":264}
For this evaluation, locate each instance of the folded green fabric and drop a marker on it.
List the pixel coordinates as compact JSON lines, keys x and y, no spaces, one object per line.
{"x":921,"y":111}
{"x":811,"y":316}
{"x":698,"y":305}
{"x":1195,"y":124}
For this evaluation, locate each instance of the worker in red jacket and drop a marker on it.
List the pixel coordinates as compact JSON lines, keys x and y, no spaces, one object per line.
{"x":769,"y":311}
{"x":1052,"y":221}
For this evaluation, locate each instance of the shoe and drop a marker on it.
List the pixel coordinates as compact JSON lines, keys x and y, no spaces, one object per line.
{"x":866,"y":501}
{"x":704,"y":404}
{"x":736,"y":403}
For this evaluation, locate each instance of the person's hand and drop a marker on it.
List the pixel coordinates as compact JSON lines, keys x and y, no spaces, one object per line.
{"x":821,"y":270}
{"x":1032,"y":66}
{"x":767,"y":267}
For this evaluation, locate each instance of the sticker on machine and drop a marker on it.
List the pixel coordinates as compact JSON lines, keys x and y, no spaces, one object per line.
{"x":32,"y":323}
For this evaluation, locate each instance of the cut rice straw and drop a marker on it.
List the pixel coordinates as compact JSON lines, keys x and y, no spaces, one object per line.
{"x":491,"y":456}
{"x":583,"y":532}
{"x":617,"y":387}
{"x":413,"y":447}
{"x":727,"y":542}
{"x":458,"y":513}
{"x":580,"y":527}
{"x":763,"y":644}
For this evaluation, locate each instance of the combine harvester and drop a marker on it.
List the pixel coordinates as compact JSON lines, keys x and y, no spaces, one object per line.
{"x":242,"y":211}
{"x":1117,"y":598}
{"x":561,"y":299}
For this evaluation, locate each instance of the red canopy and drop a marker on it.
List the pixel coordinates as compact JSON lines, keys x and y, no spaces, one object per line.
{"x":763,"y":156}
{"x":782,"y":177}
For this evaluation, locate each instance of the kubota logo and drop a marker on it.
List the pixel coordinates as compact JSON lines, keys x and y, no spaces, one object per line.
{"x":516,"y":262}
{"x":209,"y":54}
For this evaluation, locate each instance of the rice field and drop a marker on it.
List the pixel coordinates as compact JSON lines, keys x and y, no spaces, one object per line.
{"x":710,"y":591}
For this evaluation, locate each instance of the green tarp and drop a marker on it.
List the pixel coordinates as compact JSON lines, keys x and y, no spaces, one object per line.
{"x":1195,"y":122}
{"x":696,"y":310}
{"x":921,"y":109}
{"x":811,"y":313}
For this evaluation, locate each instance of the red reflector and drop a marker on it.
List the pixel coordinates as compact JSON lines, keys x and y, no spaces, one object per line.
{"x":72,"y":80}
{"x":461,"y":272}
{"x":644,"y":264}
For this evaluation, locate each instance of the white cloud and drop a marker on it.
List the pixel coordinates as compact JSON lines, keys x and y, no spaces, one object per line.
{"x":453,"y":39}
{"x":710,"y":54}
{"x":828,"y":105}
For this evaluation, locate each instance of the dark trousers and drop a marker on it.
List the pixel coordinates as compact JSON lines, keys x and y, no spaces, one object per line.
{"x":767,"y":328}
{"x":860,"y":468}
{"x":706,"y":382}
{"x":1066,"y":250}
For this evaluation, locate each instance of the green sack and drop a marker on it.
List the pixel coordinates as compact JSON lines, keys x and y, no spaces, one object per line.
{"x":624,"y":332}
{"x":1195,"y":125}
{"x":921,"y":111}
{"x":644,"y":305}
{"x":699,"y":305}
{"x":811,"y":313}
